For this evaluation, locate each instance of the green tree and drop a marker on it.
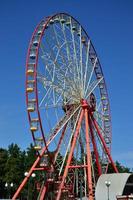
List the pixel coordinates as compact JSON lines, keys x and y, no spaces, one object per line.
{"x":29,"y":160}
{"x":3,"y":160}
{"x":13,"y":164}
{"x":30,"y":156}
{"x":121,"y":168}
{"x":13,"y":168}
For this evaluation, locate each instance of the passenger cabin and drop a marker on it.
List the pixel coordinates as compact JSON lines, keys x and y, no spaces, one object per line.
{"x":34,"y":124}
{"x":30,"y":85}
{"x":31,"y":105}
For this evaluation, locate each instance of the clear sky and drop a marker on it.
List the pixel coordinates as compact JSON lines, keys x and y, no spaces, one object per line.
{"x":109,"y":23}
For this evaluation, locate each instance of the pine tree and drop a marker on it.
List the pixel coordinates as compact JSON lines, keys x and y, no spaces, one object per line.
{"x":3,"y":160}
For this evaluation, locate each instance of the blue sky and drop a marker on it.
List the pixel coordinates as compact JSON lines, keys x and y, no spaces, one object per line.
{"x":109,"y":23}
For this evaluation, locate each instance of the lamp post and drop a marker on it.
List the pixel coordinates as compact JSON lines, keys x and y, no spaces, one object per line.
{"x":33,"y":175}
{"x":26,"y":174}
{"x":107,"y":183}
{"x":9,"y":187}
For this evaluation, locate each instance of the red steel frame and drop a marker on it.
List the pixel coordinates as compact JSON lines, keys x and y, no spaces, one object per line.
{"x":35,"y":73}
{"x":95,"y":147}
{"x":90,"y":124}
{"x":87,"y":115}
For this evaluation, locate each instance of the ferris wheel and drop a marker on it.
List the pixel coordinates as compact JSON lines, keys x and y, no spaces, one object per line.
{"x":68,"y":110}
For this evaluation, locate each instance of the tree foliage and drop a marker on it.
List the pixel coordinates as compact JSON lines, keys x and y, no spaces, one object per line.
{"x":14,"y":162}
{"x":120,"y":167}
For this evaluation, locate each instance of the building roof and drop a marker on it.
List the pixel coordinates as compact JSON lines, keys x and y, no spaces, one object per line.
{"x":117,"y":185}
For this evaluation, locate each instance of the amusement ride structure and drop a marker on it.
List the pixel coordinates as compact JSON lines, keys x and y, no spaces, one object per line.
{"x":68,"y":110}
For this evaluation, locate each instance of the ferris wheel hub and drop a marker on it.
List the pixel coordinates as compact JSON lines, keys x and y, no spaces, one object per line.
{"x":90,"y":104}
{"x":84,"y":103}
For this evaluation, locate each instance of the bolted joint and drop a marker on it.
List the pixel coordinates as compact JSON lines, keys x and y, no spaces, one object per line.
{"x":84,"y":103}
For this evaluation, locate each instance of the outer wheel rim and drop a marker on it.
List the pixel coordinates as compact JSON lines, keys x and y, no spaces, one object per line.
{"x":35,"y":76}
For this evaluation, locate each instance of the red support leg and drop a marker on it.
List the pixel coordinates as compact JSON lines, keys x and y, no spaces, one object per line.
{"x":103,"y":142}
{"x":32,"y":168}
{"x":89,"y":174}
{"x":61,"y":138}
{"x":70,"y":154}
{"x":28,"y":176}
{"x":43,"y":193}
{"x":95,"y":147}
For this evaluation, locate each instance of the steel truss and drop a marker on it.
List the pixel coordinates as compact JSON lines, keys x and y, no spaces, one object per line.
{"x":68,"y":110}
{"x":87,"y":116}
